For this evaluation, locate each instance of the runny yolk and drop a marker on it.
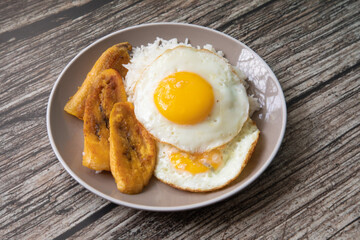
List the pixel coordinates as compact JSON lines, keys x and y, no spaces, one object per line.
{"x":196,"y":163}
{"x":184,"y":98}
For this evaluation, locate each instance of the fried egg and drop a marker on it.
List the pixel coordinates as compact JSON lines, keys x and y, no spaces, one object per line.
{"x":210,"y":170}
{"x":191,"y":99}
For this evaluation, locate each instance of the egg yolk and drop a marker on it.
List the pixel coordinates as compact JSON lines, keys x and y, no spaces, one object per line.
{"x":184,"y":98}
{"x":196,"y":163}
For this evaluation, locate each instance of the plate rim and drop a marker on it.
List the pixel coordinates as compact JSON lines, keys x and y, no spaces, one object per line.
{"x":159,"y":208}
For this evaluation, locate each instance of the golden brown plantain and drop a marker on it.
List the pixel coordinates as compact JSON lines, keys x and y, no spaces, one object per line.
{"x":132,"y":150}
{"x":114,"y":57}
{"x":107,"y":89}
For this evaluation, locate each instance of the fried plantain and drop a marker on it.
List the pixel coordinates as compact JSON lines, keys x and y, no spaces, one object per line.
{"x":114,"y":57}
{"x":107,"y":89}
{"x":132,"y":150}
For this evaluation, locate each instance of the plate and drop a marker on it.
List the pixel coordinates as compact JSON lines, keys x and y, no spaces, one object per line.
{"x":66,"y":136}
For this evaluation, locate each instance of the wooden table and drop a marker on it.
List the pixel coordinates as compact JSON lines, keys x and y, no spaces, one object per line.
{"x":311,"y":189}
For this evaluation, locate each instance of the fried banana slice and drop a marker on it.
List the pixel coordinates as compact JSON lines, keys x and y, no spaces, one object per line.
{"x":132,"y":150}
{"x":107,"y":89}
{"x":114,"y":58}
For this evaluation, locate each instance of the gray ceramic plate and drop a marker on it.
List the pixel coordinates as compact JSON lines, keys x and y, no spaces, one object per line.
{"x":65,"y":131}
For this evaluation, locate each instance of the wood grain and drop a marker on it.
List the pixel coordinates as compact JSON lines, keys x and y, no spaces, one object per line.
{"x":311,"y":190}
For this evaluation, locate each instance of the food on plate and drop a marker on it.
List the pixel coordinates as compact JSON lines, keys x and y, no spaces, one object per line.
{"x":210,"y":170}
{"x":184,"y":117}
{"x":114,"y":58}
{"x":107,"y":89}
{"x":195,"y":105}
{"x":132,"y":150}
{"x":191,"y":99}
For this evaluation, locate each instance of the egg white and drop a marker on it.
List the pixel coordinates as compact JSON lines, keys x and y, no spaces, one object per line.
{"x":230,"y":109}
{"x":235,"y":156}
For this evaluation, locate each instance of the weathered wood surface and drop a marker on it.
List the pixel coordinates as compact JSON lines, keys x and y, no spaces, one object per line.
{"x":311,"y":190}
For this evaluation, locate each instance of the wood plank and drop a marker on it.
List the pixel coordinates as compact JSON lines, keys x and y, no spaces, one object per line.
{"x":27,"y":12}
{"x":350,"y":231}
